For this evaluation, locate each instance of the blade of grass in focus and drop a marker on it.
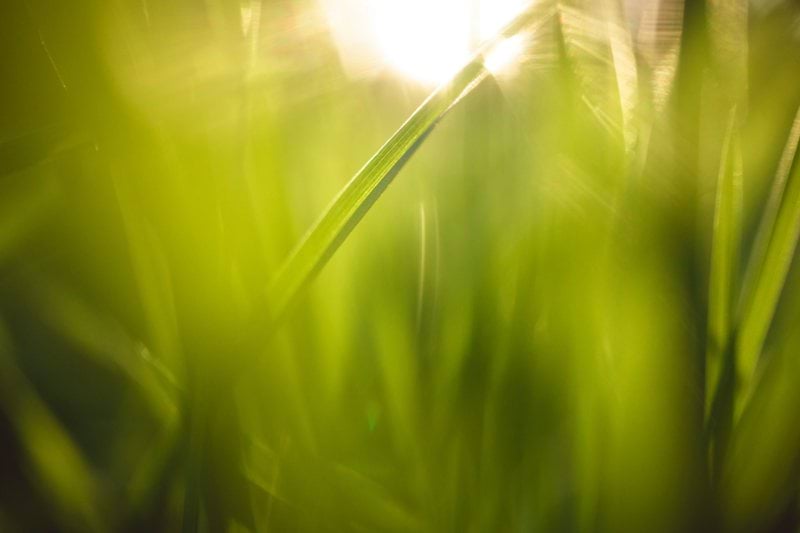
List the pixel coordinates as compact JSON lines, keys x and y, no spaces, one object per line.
{"x":769,"y":264}
{"x":363,"y":190}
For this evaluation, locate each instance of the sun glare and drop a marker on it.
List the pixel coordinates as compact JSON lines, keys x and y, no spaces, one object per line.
{"x":504,"y":54}
{"x":424,"y":40}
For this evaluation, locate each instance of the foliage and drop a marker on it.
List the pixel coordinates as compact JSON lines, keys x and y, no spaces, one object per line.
{"x":573,"y":310}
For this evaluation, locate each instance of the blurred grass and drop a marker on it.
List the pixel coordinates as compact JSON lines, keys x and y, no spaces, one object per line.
{"x":723,"y":285}
{"x":532,"y":330}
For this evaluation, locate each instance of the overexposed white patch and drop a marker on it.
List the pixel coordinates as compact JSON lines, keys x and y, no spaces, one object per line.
{"x":504,"y":54}
{"x":423,"y":40}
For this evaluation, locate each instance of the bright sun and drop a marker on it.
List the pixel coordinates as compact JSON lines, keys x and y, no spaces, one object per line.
{"x":425,"y":40}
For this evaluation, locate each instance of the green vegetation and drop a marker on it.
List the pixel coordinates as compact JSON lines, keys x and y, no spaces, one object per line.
{"x":575,"y":308}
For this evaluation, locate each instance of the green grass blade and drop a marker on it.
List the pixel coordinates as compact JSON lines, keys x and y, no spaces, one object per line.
{"x":729,"y":46}
{"x":297,"y":479}
{"x":723,"y":279}
{"x":363,"y":190}
{"x":769,"y":264}
{"x":767,"y":224}
{"x":600,"y":49}
{"x":104,"y":342}
{"x":153,"y":282}
{"x":56,"y":464}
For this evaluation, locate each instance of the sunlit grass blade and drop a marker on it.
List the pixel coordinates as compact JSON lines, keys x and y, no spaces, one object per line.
{"x":624,"y":61}
{"x":723,"y":278}
{"x":660,"y":33}
{"x":728,"y":36}
{"x":363,"y":190}
{"x":600,"y":49}
{"x":586,"y":48}
{"x":769,"y":264}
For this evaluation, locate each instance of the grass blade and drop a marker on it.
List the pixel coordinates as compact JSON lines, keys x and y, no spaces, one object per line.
{"x":363,"y":190}
{"x":104,"y":342}
{"x":55,"y":462}
{"x":723,"y":281}
{"x":660,"y":33}
{"x":769,"y":264}
{"x":600,"y":49}
{"x":728,"y":36}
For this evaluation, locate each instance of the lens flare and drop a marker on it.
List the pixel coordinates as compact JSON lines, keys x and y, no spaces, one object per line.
{"x":423,"y":40}
{"x":504,"y":54}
